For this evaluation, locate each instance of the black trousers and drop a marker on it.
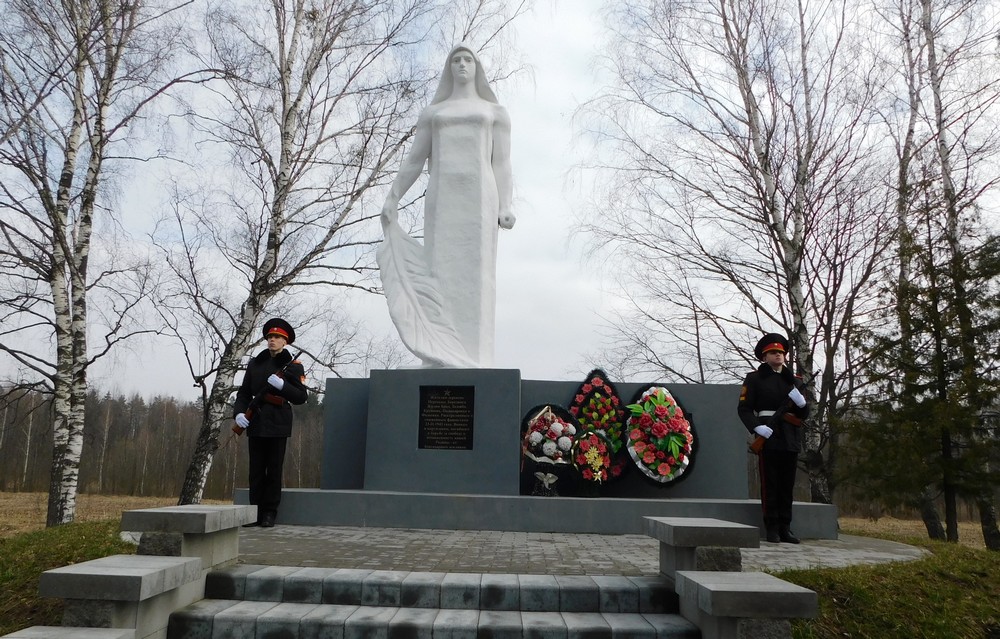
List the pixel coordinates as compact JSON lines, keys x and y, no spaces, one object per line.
{"x":777,"y":484}
{"x":267,"y":459}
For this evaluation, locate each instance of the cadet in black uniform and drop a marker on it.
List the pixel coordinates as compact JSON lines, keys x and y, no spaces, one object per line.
{"x":772,"y":406}
{"x":269,"y":425}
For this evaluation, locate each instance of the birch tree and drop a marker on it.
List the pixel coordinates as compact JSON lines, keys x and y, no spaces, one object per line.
{"x":76,"y":76}
{"x":742,"y":195}
{"x":318,"y":101}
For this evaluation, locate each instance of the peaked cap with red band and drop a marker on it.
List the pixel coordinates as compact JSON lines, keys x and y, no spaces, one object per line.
{"x":278,"y":326}
{"x":770,"y":342}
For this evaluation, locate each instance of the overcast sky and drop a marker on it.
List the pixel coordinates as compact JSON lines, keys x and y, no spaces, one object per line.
{"x":548,"y":308}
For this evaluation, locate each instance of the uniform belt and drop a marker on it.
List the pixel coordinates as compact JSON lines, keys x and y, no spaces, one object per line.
{"x":766,"y":413}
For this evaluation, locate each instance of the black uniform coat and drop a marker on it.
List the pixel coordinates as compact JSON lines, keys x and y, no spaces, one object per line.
{"x":272,"y":416}
{"x":763,"y":390}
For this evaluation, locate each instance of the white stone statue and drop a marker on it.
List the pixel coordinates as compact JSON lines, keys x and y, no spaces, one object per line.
{"x":442,"y":293}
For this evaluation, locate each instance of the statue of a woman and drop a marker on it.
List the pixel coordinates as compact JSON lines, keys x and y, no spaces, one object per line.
{"x":442,"y":293}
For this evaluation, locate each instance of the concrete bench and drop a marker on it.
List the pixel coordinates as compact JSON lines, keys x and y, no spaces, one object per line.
{"x":742,"y":605}
{"x":125,"y":591}
{"x":209,"y":532}
{"x":699,"y":543}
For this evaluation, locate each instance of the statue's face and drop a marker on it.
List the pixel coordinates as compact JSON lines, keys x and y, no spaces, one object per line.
{"x":463,"y":66}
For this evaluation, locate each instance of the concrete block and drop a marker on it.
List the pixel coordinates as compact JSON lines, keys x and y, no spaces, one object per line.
{"x":283,"y":620}
{"x":578,"y":593}
{"x":64,"y":632}
{"x":746,"y":594}
{"x":413,"y":623}
{"x":344,"y":586}
{"x":267,"y":584}
{"x":586,"y":624}
{"x":617,"y":594}
{"x":456,"y":624}
{"x":656,"y":595}
{"x":195,"y":621}
{"x":701,"y":531}
{"x":421,"y":590}
{"x":369,"y":622}
{"x":382,"y":588}
{"x":543,"y":625}
{"x":539,"y":593}
{"x":228,"y":582}
{"x":673,"y":626}
{"x":191,"y":518}
{"x":500,"y":624}
{"x":306,"y":585}
{"x":630,"y":625}
{"x":499,"y":592}
{"x":120,"y":577}
{"x":460,"y":590}
{"x":240,"y":620}
{"x":325,"y":622}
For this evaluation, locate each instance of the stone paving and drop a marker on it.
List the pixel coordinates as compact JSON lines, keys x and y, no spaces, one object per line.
{"x":488,"y":551}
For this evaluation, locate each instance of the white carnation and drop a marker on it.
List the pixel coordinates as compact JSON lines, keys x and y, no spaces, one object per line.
{"x":565,"y":443}
{"x":534,"y":438}
{"x":570,"y":430}
{"x":556,"y":429}
{"x":549,"y":448}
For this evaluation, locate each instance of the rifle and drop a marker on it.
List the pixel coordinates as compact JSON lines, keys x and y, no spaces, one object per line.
{"x":779,"y":415}
{"x":257,"y":399}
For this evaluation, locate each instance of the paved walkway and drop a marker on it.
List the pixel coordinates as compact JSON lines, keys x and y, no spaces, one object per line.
{"x":487,"y":551}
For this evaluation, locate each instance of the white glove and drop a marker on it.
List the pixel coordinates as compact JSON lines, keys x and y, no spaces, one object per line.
{"x":797,"y":397}
{"x":242,"y":421}
{"x":279,"y":383}
{"x":764,"y":431}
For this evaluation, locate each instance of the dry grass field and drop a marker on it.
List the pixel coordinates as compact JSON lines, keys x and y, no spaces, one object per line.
{"x":26,"y":511}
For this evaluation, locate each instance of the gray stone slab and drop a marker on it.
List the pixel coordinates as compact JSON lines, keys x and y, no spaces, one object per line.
{"x":460,"y":590}
{"x":283,"y":620}
{"x":382,"y":588}
{"x":539,"y":593}
{"x":306,"y":585}
{"x":192,"y":518}
{"x":629,"y":626}
{"x":229,"y":582}
{"x":412,"y":623}
{"x":344,"y":586}
{"x":195,"y":621}
{"x":673,"y":627}
{"x":369,"y":622}
{"x":456,"y":624}
{"x":500,"y":624}
{"x":325,"y":622}
{"x":543,"y":625}
{"x":61,"y":632}
{"x":656,"y":595}
{"x":266,"y":584}
{"x":702,"y":531}
{"x":747,"y":594}
{"x":421,"y":590}
{"x":119,"y":577}
{"x":499,"y":592}
{"x":580,"y":625}
{"x":578,"y":593}
{"x":239,"y":621}
{"x":617,"y":594}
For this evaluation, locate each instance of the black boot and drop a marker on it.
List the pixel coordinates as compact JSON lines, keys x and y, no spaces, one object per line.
{"x":772,"y":534}
{"x":786,"y":536}
{"x":267,"y":521}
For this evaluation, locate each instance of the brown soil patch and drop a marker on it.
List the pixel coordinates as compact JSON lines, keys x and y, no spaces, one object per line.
{"x":24,"y":512}
{"x":969,"y":533}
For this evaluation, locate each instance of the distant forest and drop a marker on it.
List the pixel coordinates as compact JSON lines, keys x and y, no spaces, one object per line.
{"x":134,"y":446}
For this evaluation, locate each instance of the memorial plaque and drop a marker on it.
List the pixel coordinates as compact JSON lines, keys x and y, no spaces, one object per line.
{"x":446,"y":417}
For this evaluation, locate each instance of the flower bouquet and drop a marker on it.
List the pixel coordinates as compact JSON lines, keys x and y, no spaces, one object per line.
{"x":660,"y":438}
{"x":599,"y":408}
{"x":549,"y":436}
{"x":592,"y":456}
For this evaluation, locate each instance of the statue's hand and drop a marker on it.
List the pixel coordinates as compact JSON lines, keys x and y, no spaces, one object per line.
{"x":507,"y":220}
{"x":390,"y":213}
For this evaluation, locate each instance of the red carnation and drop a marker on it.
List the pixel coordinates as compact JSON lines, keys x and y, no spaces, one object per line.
{"x":587,"y":388}
{"x":663,"y":469}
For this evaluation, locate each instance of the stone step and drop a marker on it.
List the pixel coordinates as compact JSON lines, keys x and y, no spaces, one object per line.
{"x":434,"y":590}
{"x":266,"y":619}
